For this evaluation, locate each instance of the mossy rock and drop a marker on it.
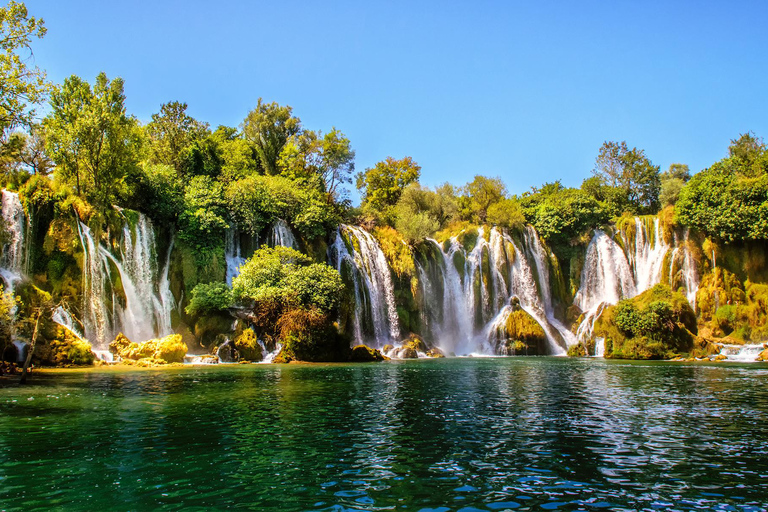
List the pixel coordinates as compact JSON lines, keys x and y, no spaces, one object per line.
{"x":207,"y":327}
{"x":415,"y":342}
{"x":407,"y":352}
{"x":169,"y":349}
{"x":523,"y":334}
{"x":435,"y":353}
{"x":363,"y":354}
{"x":657,"y":324}
{"x":64,"y":349}
{"x":577,"y":350}
{"x":248,"y":347}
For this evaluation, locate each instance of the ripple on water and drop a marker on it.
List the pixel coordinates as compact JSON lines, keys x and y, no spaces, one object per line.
{"x":461,"y":434}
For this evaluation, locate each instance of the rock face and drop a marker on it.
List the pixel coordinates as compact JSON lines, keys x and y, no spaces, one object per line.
{"x":524,"y":334}
{"x":363,"y":353}
{"x":247,"y":346}
{"x":170,"y":349}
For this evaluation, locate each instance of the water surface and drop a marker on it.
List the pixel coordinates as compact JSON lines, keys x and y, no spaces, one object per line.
{"x":454,"y":434}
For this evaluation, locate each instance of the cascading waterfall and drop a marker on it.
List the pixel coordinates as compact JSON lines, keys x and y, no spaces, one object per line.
{"x":372,"y":280}
{"x":477,"y":287}
{"x":611,"y":273}
{"x":281,"y":234}
{"x":13,"y":261}
{"x":142,"y":308}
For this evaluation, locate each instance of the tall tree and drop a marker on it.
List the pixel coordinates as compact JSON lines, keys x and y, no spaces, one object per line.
{"x":630,"y":172}
{"x":268,"y":127}
{"x":480,"y":194}
{"x":21,"y":86}
{"x":171,"y":131}
{"x":383,"y":184}
{"x":90,"y":138}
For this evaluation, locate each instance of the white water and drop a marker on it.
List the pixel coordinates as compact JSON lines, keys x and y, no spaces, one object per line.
{"x":281,"y":234}
{"x":143,"y":311}
{"x":232,"y":253}
{"x":21,"y":347}
{"x":742,"y":353}
{"x":373,"y":287}
{"x":611,"y":273}
{"x":599,"y":347}
{"x":13,"y":260}
{"x":464,"y":329}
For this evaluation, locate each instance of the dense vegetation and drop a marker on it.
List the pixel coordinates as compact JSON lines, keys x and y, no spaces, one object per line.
{"x":88,"y":159}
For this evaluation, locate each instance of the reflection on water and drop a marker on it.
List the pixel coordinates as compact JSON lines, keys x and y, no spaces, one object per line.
{"x":455,"y":434}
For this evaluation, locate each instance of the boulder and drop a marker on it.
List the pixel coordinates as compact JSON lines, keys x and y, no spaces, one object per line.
{"x":363,"y":354}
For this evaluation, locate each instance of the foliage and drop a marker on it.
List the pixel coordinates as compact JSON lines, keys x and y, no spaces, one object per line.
{"x":91,"y":139}
{"x":507,"y":213}
{"x":382,"y":185}
{"x":203,"y":222}
{"x":657,"y":324}
{"x":478,"y":196}
{"x":172,"y":131}
{"x":268,"y":127}
{"x":209,"y":298}
{"x":22,"y":86}
{"x":7,"y":307}
{"x":170,"y":349}
{"x":628,"y":178}
{"x":729,"y":201}
{"x":284,"y":276}
{"x":562,"y":216}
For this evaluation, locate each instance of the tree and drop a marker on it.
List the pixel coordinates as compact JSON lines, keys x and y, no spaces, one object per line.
{"x":21,"y":86}
{"x":507,"y":213}
{"x":91,"y":139}
{"x":33,"y":155}
{"x":203,"y":219}
{"x":479,"y":195}
{"x":171,"y":131}
{"x":672,"y":182}
{"x":729,"y":200}
{"x":383,"y":184}
{"x":630,"y":173}
{"x":268,"y":127}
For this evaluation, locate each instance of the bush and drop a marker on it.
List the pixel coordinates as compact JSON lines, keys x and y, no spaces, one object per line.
{"x":210,"y":298}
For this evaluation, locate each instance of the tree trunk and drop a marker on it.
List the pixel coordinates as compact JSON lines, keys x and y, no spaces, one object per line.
{"x":28,"y":360}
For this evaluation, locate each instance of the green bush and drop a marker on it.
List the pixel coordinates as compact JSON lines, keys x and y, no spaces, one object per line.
{"x":210,"y":298}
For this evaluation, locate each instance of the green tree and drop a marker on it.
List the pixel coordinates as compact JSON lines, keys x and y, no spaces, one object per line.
{"x":203,"y":220}
{"x":631,"y":175}
{"x":383,"y":184}
{"x":268,"y":127}
{"x":672,"y":182}
{"x":479,"y":195}
{"x":21,"y":86}
{"x":91,"y":139}
{"x":507,"y":213}
{"x":729,"y":200}
{"x":171,"y":131}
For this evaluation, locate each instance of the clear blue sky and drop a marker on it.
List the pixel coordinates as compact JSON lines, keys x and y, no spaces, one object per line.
{"x":524,"y":91}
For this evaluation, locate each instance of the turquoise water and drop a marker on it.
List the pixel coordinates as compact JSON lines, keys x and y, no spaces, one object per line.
{"x":455,"y":434}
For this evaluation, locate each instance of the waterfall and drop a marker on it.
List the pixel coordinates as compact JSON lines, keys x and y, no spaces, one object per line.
{"x":611,"y":274}
{"x":143,"y":310}
{"x":232,"y":253}
{"x":478,"y":285}
{"x":13,"y":260}
{"x":742,"y":353}
{"x":281,"y":234}
{"x":372,"y":282}
{"x":63,"y":317}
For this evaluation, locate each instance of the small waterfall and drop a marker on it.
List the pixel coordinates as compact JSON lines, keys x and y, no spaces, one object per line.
{"x":63,"y":317}
{"x":281,"y":234}
{"x":232,"y":253}
{"x":143,"y":310}
{"x":599,"y":347}
{"x":13,"y":260}
{"x":373,"y":287}
{"x":742,"y":353}
{"x":647,"y":259}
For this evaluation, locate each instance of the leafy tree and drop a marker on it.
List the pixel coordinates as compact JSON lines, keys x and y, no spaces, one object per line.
{"x":33,"y":155}
{"x":268,"y":127}
{"x":171,"y":131}
{"x":507,"y":213}
{"x":238,"y":156}
{"x":22,"y":86}
{"x":672,"y":182}
{"x":203,"y":219}
{"x":383,"y":184}
{"x":285,"y":277}
{"x":729,"y":200}
{"x":479,"y":195}
{"x":634,"y":179}
{"x":91,"y":139}
{"x":209,"y":298}
{"x":563,"y":216}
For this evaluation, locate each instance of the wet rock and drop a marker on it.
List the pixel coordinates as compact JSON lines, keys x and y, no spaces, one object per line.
{"x":363,"y":353}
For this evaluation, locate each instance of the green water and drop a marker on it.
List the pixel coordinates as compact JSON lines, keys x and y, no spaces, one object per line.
{"x":456,"y":434}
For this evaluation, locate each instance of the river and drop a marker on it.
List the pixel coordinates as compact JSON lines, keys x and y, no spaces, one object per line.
{"x":453,"y":434}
